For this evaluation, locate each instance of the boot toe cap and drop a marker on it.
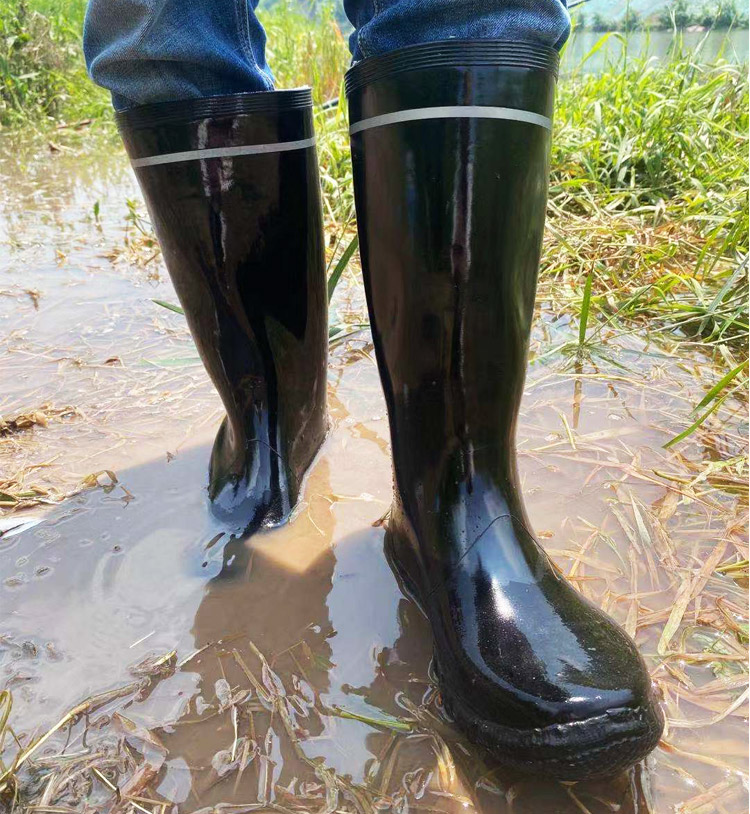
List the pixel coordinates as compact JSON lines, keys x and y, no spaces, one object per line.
{"x":564,"y":693}
{"x":598,"y":746}
{"x":579,"y":732}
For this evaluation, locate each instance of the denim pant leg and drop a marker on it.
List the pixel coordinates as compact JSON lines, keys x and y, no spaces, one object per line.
{"x":162,"y":50}
{"x":385,"y":25}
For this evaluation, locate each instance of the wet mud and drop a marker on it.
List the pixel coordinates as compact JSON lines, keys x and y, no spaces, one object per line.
{"x":287,"y":671}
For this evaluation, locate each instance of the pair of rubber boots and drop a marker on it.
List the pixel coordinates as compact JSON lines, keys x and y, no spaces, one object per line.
{"x":450,"y":148}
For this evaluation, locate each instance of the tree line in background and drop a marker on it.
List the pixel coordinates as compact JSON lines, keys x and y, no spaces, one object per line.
{"x":679,"y":14}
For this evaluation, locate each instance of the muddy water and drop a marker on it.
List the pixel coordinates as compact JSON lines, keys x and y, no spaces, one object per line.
{"x":288,"y":670}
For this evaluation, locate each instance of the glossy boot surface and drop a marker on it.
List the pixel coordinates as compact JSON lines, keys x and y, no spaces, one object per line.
{"x":231,"y":185}
{"x":450,"y":145}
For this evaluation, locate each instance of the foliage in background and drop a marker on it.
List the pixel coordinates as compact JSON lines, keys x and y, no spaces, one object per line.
{"x":305,"y":50}
{"x":666,"y":142}
{"x":42,"y":76}
{"x":679,"y":14}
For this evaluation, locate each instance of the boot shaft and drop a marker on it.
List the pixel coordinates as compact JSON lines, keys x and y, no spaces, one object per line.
{"x":450,"y":146}
{"x":231,"y":185}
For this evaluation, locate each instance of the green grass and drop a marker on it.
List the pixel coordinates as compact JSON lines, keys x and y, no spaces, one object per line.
{"x":648,"y":212}
{"x":649,"y":188}
{"x":304,"y":51}
{"x":43,"y":78}
{"x":42,"y":75}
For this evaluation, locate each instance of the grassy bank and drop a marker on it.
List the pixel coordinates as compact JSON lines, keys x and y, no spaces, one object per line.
{"x":42,"y":76}
{"x":43,"y":81}
{"x":648,"y":196}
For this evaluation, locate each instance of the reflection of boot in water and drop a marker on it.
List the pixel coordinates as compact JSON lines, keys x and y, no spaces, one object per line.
{"x":271,"y":600}
{"x":450,"y":145}
{"x":231,"y":184}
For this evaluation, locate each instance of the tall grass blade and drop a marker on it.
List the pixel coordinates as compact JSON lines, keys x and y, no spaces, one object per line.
{"x":340,"y":267}
{"x":720,"y":385}
{"x":585,"y":309}
{"x":694,"y":426}
{"x":169,"y":306}
{"x":598,"y":45}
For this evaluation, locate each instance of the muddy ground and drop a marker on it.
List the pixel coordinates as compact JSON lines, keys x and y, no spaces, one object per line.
{"x":287,"y":672}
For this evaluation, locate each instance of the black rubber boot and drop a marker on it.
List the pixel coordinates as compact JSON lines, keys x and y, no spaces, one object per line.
{"x":450,"y":144}
{"x":231,"y":184}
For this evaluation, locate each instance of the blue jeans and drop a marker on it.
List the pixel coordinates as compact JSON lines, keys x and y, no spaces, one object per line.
{"x":163,"y":50}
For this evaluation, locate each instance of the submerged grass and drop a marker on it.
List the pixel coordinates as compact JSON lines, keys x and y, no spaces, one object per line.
{"x":121,"y":774}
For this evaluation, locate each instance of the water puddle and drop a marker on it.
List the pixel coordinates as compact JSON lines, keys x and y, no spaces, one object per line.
{"x":287,"y":672}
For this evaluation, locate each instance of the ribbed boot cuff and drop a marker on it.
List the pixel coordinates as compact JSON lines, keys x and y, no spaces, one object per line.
{"x":213,"y":107}
{"x":449,"y":53}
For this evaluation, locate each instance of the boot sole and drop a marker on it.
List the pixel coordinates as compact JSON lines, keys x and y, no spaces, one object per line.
{"x":600,"y":746}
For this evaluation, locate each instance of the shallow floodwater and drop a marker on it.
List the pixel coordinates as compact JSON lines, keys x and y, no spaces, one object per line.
{"x":287,"y":671}
{"x":707,"y":46}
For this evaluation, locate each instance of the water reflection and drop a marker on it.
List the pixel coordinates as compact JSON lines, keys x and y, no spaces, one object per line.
{"x":319,"y":625}
{"x":302,"y":675}
{"x":707,"y":47}
{"x":113,"y":580}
